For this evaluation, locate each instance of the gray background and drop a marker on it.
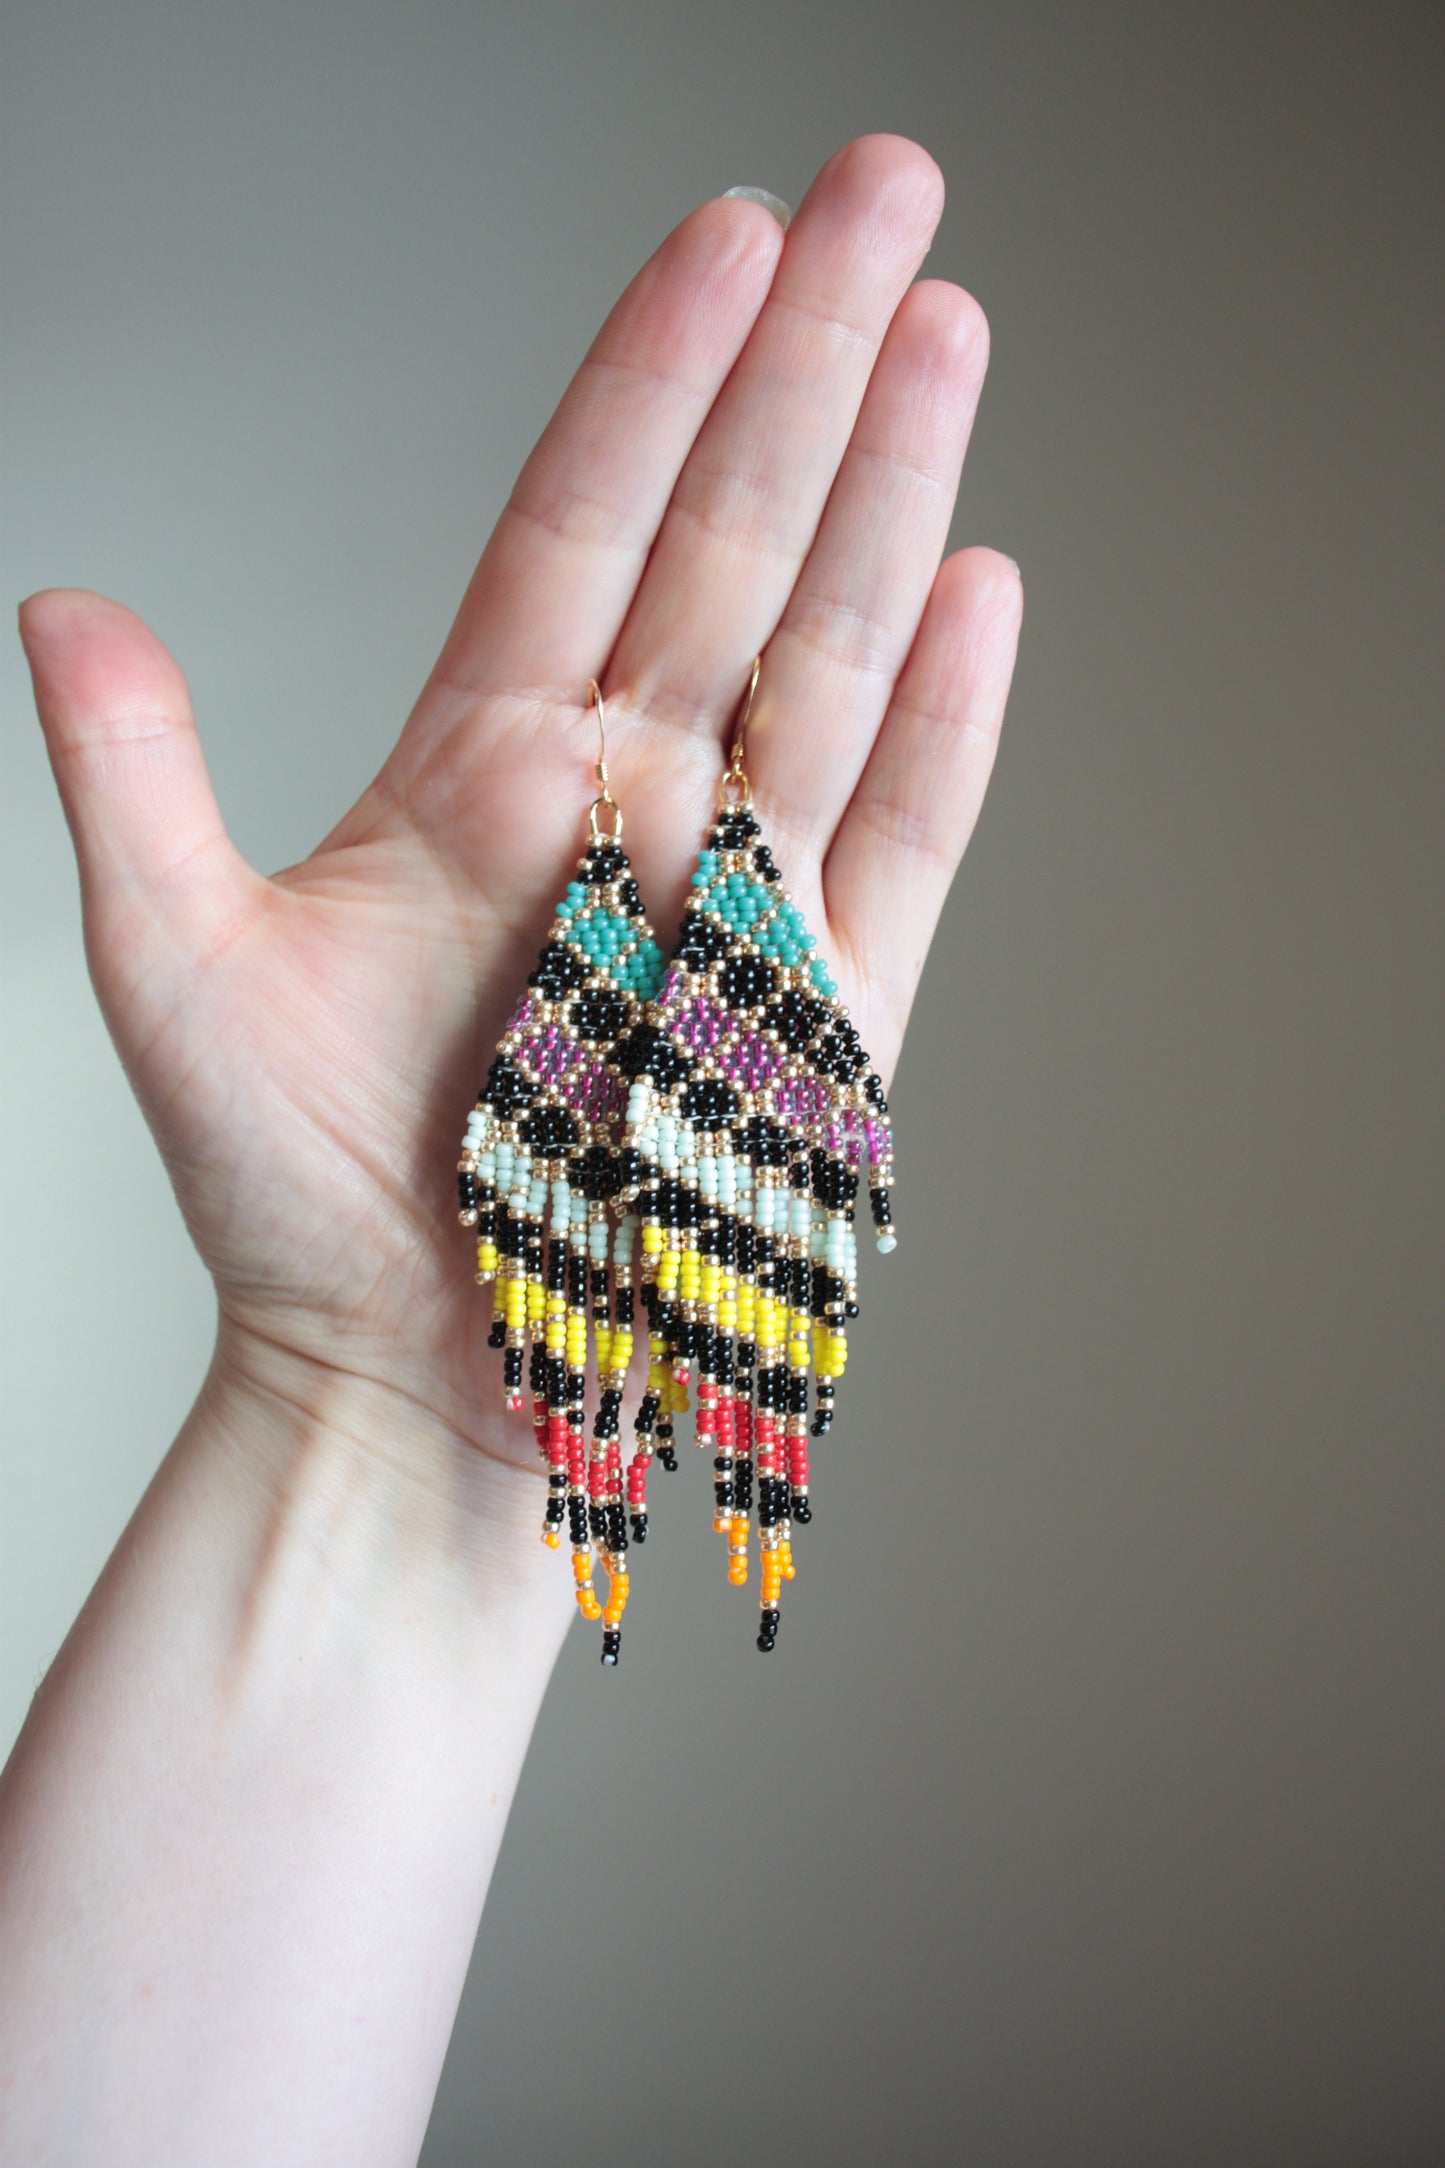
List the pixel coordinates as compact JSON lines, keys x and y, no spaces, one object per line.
{"x":1115,"y":1835}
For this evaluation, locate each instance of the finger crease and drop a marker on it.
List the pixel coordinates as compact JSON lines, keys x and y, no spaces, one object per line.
{"x":841,"y":633}
{"x":561,"y":516}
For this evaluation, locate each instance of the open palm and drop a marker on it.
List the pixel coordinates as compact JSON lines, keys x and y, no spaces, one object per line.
{"x":760,"y":452}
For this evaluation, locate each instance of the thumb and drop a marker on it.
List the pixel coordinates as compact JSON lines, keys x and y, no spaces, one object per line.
{"x":160,"y":879}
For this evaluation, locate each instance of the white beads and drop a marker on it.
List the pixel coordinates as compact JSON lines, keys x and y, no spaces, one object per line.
{"x":639,"y":1099}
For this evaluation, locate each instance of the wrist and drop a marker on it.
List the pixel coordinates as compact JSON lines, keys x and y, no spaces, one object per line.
{"x":268,"y":1774}
{"x":365,"y":1481}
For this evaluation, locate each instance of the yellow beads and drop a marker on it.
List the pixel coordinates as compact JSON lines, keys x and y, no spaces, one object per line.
{"x":659,"y":1375}
{"x":486,"y":1260}
{"x":830,"y":1352}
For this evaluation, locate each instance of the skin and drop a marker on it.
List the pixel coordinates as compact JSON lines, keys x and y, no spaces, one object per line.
{"x":247,"y":1830}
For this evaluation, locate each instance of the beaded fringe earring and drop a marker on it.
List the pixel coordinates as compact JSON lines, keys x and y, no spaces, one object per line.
{"x":538,"y":1179}
{"x":751,"y":1117}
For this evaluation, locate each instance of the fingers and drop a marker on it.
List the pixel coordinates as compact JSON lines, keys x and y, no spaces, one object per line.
{"x":160,"y":880}
{"x":913,"y":812}
{"x":749,"y":499}
{"x":830,"y":668}
{"x":554,"y":583}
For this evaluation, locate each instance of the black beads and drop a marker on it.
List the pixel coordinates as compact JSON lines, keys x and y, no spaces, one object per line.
{"x":735,"y":830}
{"x":593,"y":1173}
{"x":796,"y":1018}
{"x":765,"y":1142}
{"x":647,"y":1051}
{"x":559,"y":970}
{"x":703,"y":941}
{"x":746,"y":981}
{"x":709,"y":1101}
{"x":597,"y":1017}
{"x":838,"y":1053}
{"x":506,"y":1090}
{"x":603,"y":861}
{"x":550,"y":1130}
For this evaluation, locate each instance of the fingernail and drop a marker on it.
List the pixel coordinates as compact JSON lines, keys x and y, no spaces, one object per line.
{"x":769,"y":202}
{"x":1011,"y":561}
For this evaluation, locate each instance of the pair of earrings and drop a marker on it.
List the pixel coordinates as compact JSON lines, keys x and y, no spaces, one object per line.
{"x":693,"y":1131}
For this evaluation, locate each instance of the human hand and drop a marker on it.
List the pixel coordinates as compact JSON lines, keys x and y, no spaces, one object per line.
{"x":760,"y":451}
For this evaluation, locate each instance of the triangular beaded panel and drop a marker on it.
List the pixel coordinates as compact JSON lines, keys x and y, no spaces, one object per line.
{"x":752,"y":1118}
{"x":537,"y":1176}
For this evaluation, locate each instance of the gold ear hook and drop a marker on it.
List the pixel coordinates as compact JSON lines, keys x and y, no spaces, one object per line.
{"x":735,"y":789}
{"x":594,"y":700}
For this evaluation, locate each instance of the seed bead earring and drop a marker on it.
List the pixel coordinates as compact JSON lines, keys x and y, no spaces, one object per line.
{"x":752,"y":1116}
{"x":538,"y":1180}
